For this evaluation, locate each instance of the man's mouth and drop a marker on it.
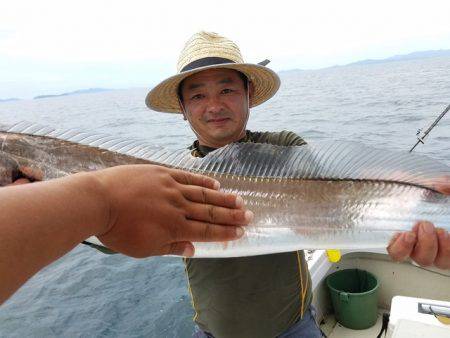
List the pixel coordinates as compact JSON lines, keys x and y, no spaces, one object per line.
{"x":219,"y":120}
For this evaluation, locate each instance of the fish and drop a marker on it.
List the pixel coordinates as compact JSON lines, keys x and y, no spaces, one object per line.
{"x":328,"y":194}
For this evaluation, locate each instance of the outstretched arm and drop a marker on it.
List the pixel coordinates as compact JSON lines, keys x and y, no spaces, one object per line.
{"x":139,"y":210}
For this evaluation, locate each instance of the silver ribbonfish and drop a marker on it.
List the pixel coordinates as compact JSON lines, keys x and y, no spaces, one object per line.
{"x":341,"y":195}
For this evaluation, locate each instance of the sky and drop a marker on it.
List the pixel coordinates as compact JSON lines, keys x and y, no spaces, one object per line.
{"x":51,"y":46}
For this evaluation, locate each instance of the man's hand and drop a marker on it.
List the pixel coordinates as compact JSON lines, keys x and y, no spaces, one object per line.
{"x":156,"y":211}
{"x":30,"y":175}
{"x":20,"y":181}
{"x":425,"y":244}
{"x":138,"y":210}
{"x":442,"y":185}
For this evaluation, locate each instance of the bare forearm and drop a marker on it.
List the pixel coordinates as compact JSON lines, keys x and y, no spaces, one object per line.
{"x":40,"y":222}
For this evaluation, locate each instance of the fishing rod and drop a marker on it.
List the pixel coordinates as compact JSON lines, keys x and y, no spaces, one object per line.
{"x":420,"y":139}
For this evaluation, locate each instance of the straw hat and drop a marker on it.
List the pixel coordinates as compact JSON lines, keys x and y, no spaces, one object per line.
{"x":205,"y":50}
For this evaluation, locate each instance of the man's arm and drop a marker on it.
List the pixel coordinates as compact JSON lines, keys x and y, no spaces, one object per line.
{"x":139,"y":210}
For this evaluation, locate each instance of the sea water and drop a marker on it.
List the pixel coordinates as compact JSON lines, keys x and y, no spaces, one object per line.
{"x":87,"y":293}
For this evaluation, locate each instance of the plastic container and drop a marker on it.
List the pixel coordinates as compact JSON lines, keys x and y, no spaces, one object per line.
{"x":354,"y":294}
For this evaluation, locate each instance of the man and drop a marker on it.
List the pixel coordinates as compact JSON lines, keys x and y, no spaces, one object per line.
{"x":261,"y":296}
{"x":138,"y":210}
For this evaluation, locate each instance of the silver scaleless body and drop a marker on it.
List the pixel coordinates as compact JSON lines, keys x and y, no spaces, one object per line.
{"x":342,"y":195}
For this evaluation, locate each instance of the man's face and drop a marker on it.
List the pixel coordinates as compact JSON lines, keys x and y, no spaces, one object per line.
{"x":216,"y":106}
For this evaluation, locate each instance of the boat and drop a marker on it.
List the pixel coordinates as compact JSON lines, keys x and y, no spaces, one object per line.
{"x":416,"y":300}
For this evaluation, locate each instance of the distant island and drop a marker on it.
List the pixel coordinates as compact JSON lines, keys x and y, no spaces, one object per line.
{"x":404,"y":57}
{"x":9,"y":99}
{"x":411,"y":56}
{"x":76,"y":92}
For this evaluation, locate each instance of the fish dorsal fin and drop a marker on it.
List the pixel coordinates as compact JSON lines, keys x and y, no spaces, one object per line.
{"x":131,"y":147}
{"x":327,"y":160}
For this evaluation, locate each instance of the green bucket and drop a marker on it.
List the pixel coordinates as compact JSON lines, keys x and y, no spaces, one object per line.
{"x":354,"y":294}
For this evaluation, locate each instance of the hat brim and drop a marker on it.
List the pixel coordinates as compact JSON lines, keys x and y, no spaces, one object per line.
{"x":164,"y":97}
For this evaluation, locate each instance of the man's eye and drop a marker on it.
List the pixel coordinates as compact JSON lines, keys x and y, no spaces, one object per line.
{"x":197,"y":97}
{"x":227,"y":91}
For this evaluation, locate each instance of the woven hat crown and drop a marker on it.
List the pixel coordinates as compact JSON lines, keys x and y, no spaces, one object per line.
{"x":208,"y":44}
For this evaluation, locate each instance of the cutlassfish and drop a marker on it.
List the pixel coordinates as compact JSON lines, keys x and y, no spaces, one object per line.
{"x":342,"y":195}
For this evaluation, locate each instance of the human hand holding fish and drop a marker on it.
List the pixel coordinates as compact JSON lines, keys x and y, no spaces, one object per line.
{"x":166,"y":210}
{"x":28,"y":175}
{"x":20,"y":181}
{"x":201,"y":204}
{"x":138,"y":210}
{"x":425,"y":244}
{"x":442,"y":185}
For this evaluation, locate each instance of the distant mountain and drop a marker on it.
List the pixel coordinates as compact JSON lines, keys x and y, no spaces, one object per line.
{"x":76,"y":92}
{"x":410,"y":56}
{"x":403,"y":57}
{"x":9,"y":99}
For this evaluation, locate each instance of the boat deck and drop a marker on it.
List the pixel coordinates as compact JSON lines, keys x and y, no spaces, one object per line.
{"x":402,"y":285}
{"x":335,"y":330}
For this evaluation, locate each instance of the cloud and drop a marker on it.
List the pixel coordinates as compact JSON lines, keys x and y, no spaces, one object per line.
{"x":57,"y":35}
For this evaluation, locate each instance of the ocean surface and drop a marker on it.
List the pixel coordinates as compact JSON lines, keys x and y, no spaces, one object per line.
{"x":88,"y":294}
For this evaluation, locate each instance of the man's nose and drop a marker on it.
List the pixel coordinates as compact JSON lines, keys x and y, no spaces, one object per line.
{"x":214,"y":104}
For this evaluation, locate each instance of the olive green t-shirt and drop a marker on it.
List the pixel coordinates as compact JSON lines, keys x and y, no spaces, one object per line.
{"x":257,"y":296}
